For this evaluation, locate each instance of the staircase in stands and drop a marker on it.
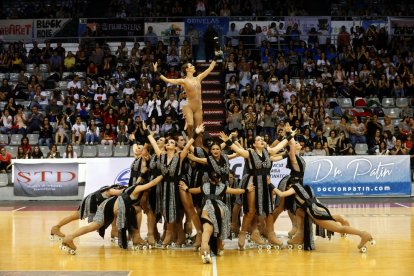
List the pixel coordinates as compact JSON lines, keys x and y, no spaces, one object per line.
{"x":214,"y":115}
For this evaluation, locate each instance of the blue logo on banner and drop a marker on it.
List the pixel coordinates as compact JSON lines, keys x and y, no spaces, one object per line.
{"x":123,"y":177}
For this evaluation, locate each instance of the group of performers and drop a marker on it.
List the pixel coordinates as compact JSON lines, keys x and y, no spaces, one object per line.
{"x":182,"y":185}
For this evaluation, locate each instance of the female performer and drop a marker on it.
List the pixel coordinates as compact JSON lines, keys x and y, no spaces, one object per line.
{"x":215,"y":215}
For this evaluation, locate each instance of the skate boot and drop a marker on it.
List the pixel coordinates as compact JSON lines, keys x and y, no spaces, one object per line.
{"x":197,"y":242}
{"x":292,"y":231}
{"x":150,"y":241}
{"x":274,"y":242}
{"x":242,"y":240}
{"x":256,"y":239}
{"x":220,"y":247}
{"x":365,"y":237}
{"x":139,"y":244}
{"x":55,"y":233}
{"x":114,"y":235}
{"x":68,"y":246}
{"x":188,"y":228}
{"x":180,"y":238}
{"x":297,"y":241}
{"x":234,"y":230}
{"x":167,"y":242}
{"x":206,"y":258}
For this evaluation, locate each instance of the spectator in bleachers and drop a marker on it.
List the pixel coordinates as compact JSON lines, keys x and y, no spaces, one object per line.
{"x":36,"y":152}
{"x":78,"y":131}
{"x":61,"y":129}
{"x":46,"y":133}
{"x":122,"y":133}
{"x":53,"y":153}
{"x":151,"y":37}
{"x":25,"y":144}
{"x":110,"y":117}
{"x":374,"y":142}
{"x":92,"y":133}
{"x":34,"y":120}
{"x":56,"y":63}
{"x":69,"y":152}
{"x":398,"y":148}
{"x":168,"y":126}
{"x":235,"y":119}
{"x":357,"y":131}
{"x":7,"y":122}
{"x":108,"y":136}
{"x":5,"y":89}
{"x":19,"y":122}
{"x":319,"y":138}
{"x":5,"y":160}
{"x":344,"y":146}
{"x":35,"y":54}
{"x":21,"y":153}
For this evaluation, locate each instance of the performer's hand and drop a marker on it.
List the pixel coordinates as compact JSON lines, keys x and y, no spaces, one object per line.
{"x":223,"y":136}
{"x":288,"y":128}
{"x":155,"y":66}
{"x":144,"y":126}
{"x":182,"y":186}
{"x":191,"y":156}
{"x":250,"y":187}
{"x":200,"y":129}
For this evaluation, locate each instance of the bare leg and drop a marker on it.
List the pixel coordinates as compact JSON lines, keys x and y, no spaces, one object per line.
{"x":271,"y":235}
{"x":247,"y":219}
{"x":235,"y":227}
{"x":198,"y":120}
{"x":56,"y":229}
{"x":298,"y":236}
{"x":189,"y":119}
{"x":180,"y":240}
{"x":335,"y":227}
{"x":151,"y":227}
{"x":68,"y":240}
{"x":138,"y":211}
{"x":294,"y":220}
{"x":188,"y":205}
{"x":114,"y":230}
{"x":341,"y":220}
{"x":168,"y":234}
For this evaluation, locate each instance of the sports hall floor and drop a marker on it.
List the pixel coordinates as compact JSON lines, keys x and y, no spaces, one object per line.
{"x":25,"y":248}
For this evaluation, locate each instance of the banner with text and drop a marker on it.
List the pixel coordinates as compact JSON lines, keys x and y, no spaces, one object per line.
{"x":46,"y":28}
{"x":165,"y":29}
{"x":219,"y":24}
{"x":358,"y":175}
{"x":306,"y":23}
{"x":43,"y":179}
{"x":16,"y":29}
{"x":113,"y":26}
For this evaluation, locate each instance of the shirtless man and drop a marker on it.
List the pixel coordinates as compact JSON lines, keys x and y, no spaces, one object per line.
{"x":192,"y":111}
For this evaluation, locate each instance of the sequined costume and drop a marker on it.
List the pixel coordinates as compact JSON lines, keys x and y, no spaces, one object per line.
{"x":213,"y":204}
{"x":258,"y":169}
{"x":197,"y":174}
{"x":170,"y":198}
{"x":89,"y":205}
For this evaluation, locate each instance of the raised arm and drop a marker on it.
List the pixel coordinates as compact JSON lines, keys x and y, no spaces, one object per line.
{"x":151,"y":139}
{"x":207,"y":71}
{"x":184,"y":152}
{"x":185,"y":188}
{"x":163,"y":78}
{"x":140,"y":188}
{"x":238,"y":191}
{"x":197,"y":159}
{"x":242,"y":152}
{"x":284,"y":142}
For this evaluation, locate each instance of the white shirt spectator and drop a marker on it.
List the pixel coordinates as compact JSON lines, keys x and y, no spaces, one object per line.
{"x":75,"y":84}
{"x":78,"y":128}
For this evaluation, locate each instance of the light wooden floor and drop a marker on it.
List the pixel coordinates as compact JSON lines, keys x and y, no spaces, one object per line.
{"x":25,"y":246}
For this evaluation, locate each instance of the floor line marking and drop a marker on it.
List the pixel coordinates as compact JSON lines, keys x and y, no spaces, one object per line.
{"x":19,"y":209}
{"x":214,"y":261}
{"x":402,"y":205}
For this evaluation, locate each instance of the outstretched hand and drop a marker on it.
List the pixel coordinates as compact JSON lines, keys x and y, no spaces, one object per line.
{"x":250,"y":187}
{"x":200,"y":129}
{"x":155,"y":66}
{"x":223,"y":136}
{"x":182,"y":186}
{"x":144,"y":126}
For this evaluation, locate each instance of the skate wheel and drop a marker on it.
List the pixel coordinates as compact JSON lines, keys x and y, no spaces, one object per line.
{"x":144,"y":247}
{"x":278,"y":247}
{"x":183,"y":246}
{"x":268,"y":247}
{"x":189,"y":242}
{"x":233,"y":235}
{"x":173,"y":245}
{"x":51,"y":237}
{"x":251,"y":245}
{"x":363,"y":249}
{"x":113,"y":240}
{"x":62,"y":247}
{"x":373,"y":242}
{"x":72,"y":252}
{"x":290,"y":246}
{"x":300,"y":246}
{"x":259,"y":247}
{"x":248,"y":236}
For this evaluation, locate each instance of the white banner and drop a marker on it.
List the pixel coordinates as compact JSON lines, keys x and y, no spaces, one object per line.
{"x":306,"y":23}
{"x":106,"y":171}
{"x":16,"y":29}
{"x":42,"y":179}
{"x":45,"y":28}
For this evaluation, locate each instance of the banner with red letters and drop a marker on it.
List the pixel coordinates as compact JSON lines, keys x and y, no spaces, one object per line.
{"x":16,"y":29}
{"x":45,"y":179}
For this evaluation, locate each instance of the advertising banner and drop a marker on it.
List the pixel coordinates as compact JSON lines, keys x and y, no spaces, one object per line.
{"x":220,"y":25}
{"x":359,"y":175}
{"x":16,"y":29}
{"x":306,"y":23}
{"x":164,"y":29}
{"x":113,"y":26}
{"x":45,"y":28}
{"x":45,"y":179}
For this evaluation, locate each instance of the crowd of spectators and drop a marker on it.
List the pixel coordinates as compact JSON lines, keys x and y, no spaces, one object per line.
{"x":98,"y":95}
{"x":301,"y":82}
{"x":371,"y":8}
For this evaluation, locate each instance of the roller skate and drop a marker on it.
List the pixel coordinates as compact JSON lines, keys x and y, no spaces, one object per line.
{"x":256,"y":240}
{"x":188,"y":228}
{"x":220,"y":248}
{"x":55,"y":233}
{"x":234,"y":231}
{"x":242,"y":240}
{"x":296,"y":241}
{"x":274,"y":242}
{"x":139,"y":244}
{"x":180,"y":242}
{"x":114,"y":236}
{"x":206,"y":258}
{"x":68,"y":246}
{"x":151,"y":241}
{"x":292,"y":231}
{"x":167,"y":242}
{"x":197,"y":241}
{"x":366,"y":237}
